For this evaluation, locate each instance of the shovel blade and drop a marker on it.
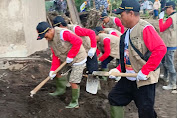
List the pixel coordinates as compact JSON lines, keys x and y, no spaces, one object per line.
{"x":92,"y":84}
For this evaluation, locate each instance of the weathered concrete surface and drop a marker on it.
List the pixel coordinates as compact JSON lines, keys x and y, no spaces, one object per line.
{"x":18,"y":27}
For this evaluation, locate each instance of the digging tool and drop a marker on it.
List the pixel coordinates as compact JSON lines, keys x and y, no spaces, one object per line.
{"x":92,"y":84}
{"x":103,"y":73}
{"x":36,"y":89}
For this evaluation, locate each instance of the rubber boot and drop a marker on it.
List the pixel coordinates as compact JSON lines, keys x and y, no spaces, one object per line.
{"x":75,"y":96}
{"x":61,"y":86}
{"x":105,"y":78}
{"x":117,"y":112}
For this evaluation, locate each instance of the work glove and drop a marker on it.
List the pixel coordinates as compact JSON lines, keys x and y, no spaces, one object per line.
{"x":141,"y":76}
{"x":69,"y":60}
{"x":91,"y":52}
{"x":161,"y":15}
{"x":52,"y":75}
{"x":112,"y":76}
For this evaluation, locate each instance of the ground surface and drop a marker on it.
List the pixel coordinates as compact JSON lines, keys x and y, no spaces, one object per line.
{"x":16,"y":84}
{"x":15,"y":102}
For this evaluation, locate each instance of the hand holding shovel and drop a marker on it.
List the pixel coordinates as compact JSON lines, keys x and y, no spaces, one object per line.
{"x":36,"y":89}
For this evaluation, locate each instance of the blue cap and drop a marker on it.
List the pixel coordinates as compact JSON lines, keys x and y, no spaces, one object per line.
{"x":42,"y":29}
{"x":98,"y":29}
{"x":103,"y":15}
{"x":58,"y":20}
{"x":95,"y":31}
{"x":129,"y":5}
{"x":170,"y":4}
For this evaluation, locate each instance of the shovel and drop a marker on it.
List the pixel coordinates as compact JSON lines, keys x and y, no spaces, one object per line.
{"x":36,"y":89}
{"x":93,"y":82}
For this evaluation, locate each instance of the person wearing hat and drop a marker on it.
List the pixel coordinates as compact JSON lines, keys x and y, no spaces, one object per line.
{"x":109,"y":45}
{"x":67,"y":47}
{"x":169,"y":34}
{"x":111,"y":31}
{"x":141,"y":51}
{"x":111,"y":22}
{"x":88,"y":40}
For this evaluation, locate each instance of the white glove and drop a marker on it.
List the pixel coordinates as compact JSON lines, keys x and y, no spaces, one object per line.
{"x":69,"y":60}
{"x":91,"y":52}
{"x":112,"y":76}
{"x":52,"y":75}
{"x":141,"y":76}
{"x":161,"y":15}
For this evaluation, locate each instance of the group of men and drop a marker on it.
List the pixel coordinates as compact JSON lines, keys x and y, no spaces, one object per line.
{"x":139,"y":50}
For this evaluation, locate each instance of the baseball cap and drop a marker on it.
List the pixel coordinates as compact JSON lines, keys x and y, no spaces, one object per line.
{"x":42,"y":29}
{"x":98,"y":29}
{"x":131,"y":5}
{"x":58,"y":20}
{"x":103,"y":15}
{"x":95,"y":31}
{"x":170,"y":4}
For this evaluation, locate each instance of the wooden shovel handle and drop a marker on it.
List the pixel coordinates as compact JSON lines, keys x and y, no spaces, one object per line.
{"x":36,"y":89}
{"x":103,"y":73}
{"x":124,"y":74}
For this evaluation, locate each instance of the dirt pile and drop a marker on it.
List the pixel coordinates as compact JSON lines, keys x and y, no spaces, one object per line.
{"x":15,"y":102}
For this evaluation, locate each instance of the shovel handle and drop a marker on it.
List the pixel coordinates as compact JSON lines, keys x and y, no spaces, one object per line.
{"x":124,"y":74}
{"x":36,"y":89}
{"x":103,"y":73}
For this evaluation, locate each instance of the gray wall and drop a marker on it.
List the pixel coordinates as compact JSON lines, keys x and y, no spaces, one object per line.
{"x":18,"y":22}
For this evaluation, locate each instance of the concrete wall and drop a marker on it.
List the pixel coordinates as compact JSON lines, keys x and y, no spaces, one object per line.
{"x":18,"y":22}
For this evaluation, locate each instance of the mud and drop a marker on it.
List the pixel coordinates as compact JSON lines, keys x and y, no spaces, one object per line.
{"x":15,"y":100}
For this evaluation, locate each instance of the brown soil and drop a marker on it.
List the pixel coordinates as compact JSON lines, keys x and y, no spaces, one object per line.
{"x":15,"y":100}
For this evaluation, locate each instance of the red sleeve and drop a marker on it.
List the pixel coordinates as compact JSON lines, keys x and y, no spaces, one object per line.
{"x":103,"y":26}
{"x":115,"y":34}
{"x":97,"y":52}
{"x":119,"y":24}
{"x":75,"y":40}
{"x":166,"y":25}
{"x":118,"y":67}
{"x":55,"y":61}
{"x":107,"y":49}
{"x":155,"y":45}
{"x":87,"y":32}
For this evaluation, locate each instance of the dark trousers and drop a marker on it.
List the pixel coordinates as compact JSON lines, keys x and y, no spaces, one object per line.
{"x":92,"y":64}
{"x":125,"y":91}
{"x":106,"y":61}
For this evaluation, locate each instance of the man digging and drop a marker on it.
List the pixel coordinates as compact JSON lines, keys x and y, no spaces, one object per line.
{"x":67,"y":47}
{"x":141,"y":51}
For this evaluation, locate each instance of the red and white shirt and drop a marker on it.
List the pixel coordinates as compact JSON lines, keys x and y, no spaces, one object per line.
{"x":76,"y":42}
{"x":117,"y":21}
{"x":157,"y":48}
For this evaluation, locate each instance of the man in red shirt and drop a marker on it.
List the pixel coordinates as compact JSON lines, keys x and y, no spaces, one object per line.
{"x":67,"y":47}
{"x":139,"y":41}
{"x":108,"y":44}
{"x":111,"y":22}
{"x":169,"y":29}
{"x":88,"y":40}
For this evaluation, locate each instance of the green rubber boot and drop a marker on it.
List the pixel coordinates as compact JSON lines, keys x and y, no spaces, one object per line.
{"x":117,"y":112}
{"x":75,"y":96}
{"x":61,"y":86}
{"x":104,"y":77}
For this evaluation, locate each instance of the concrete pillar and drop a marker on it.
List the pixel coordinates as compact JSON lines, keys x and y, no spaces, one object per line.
{"x":18,"y":22}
